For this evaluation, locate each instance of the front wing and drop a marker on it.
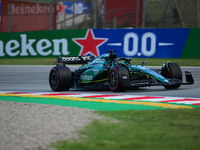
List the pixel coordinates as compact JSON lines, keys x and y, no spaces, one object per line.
{"x":144,"y":83}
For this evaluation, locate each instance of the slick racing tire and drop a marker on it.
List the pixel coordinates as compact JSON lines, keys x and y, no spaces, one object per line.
{"x":115,"y":78}
{"x":60,"y":78}
{"x":174,"y":71}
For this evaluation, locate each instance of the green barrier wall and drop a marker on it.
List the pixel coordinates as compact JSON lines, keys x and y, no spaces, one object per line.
{"x":192,"y":46}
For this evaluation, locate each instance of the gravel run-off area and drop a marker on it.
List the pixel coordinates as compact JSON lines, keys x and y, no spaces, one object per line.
{"x":29,"y":126}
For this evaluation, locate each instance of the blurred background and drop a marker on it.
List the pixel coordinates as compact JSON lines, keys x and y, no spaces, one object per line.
{"x":32,"y":15}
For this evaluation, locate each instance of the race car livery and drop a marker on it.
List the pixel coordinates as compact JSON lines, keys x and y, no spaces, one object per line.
{"x":109,"y":72}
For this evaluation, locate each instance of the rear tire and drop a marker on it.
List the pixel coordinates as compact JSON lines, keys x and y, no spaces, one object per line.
{"x":60,"y":78}
{"x":173,"y":71}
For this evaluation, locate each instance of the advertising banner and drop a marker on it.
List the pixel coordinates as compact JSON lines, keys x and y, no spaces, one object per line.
{"x":140,"y":43}
{"x":67,"y":7}
{"x":26,"y":16}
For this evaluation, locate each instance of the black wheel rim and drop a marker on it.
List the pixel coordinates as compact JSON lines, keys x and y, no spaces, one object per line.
{"x":53,"y":79}
{"x":113,"y":79}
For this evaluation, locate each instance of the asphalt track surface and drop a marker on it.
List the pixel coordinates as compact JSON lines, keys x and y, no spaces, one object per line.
{"x":35,"y":79}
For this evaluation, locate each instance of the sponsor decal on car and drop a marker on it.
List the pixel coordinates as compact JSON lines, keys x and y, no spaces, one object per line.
{"x":86,"y":77}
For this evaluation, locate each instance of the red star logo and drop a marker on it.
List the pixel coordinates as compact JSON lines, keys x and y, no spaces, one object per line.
{"x":89,"y":44}
{"x":61,"y":8}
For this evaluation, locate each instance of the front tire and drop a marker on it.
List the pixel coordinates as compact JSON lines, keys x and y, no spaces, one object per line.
{"x":60,"y":78}
{"x":172,"y":70}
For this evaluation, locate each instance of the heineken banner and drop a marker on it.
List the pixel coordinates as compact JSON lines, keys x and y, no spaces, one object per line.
{"x":140,"y":43}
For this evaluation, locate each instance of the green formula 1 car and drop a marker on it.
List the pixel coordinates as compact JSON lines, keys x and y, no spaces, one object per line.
{"x":108,"y":72}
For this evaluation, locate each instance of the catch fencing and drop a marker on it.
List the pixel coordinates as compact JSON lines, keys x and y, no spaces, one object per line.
{"x":26,"y":16}
{"x":31,"y":15}
{"x":172,"y":13}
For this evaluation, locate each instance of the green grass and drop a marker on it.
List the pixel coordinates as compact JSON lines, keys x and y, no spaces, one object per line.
{"x":51,"y":61}
{"x":153,"y":130}
{"x":160,"y":61}
{"x":28,"y":61}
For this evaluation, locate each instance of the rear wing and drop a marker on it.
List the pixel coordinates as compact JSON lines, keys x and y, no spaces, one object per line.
{"x":61,"y":61}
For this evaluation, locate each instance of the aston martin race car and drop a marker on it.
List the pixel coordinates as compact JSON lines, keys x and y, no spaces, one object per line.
{"x":109,"y":72}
